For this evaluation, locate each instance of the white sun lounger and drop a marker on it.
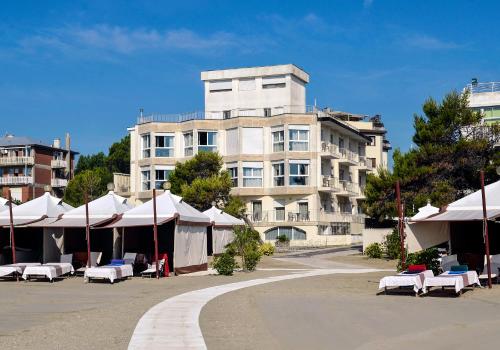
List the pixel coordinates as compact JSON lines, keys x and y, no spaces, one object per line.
{"x":109,"y":272}
{"x":415,"y":280}
{"x":49,"y":270}
{"x":151,"y":270}
{"x":12,"y":270}
{"x":457,"y":281}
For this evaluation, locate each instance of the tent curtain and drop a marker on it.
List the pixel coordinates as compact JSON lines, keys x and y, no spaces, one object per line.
{"x":221,"y":236}
{"x":423,"y":235}
{"x":190,"y":249}
{"x":53,"y":244}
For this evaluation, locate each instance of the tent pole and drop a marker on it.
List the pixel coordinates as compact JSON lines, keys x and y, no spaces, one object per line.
{"x":87,"y":229}
{"x":485,"y":233}
{"x":155,"y":232}
{"x":12,"y":240}
{"x":401,"y":227}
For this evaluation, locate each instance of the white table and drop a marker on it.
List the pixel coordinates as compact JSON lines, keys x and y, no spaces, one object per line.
{"x":415,"y":280}
{"x":109,"y":272}
{"x":457,"y":281}
{"x":49,"y":270}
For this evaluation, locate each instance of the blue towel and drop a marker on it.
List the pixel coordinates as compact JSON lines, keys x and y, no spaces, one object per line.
{"x":462,"y":268}
{"x":456,"y":272}
{"x":117,"y":262}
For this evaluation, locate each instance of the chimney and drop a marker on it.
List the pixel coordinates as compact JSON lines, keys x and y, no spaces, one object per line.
{"x":67,"y":142}
{"x":56,"y":143}
{"x":69,"y":160}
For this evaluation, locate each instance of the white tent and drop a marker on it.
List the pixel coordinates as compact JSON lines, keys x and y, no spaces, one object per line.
{"x":425,"y":212}
{"x":222,"y":229}
{"x":190,"y":233}
{"x":4,"y":204}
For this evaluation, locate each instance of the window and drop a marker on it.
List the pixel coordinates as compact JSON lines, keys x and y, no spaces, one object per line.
{"x":247,"y":84}
{"x":221,"y":85}
{"x":341,"y":142}
{"x":252,"y":176}
{"x":279,"y":213}
{"x":164,"y":145}
{"x":145,"y":179}
{"x":278,"y":141}
{"x":279,"y":174}
{"x":267,"y":112}
{"x":188,"y":144}
{"x":373,"y":162}
{"x":293,"y":233}
{"x":226,"y":114}
{"x":372,"y":141}
{"x":207,"y":141}
{"x":233,"y":174}
{"x":298,"y":139}
{"x":256,"y":210}
{"x":146,"y":145}
{"x":162,"y":174}
{"x":271,"y":82}
{"x":299,"y":173}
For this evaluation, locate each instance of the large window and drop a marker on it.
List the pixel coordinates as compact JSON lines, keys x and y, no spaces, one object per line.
{"x":207,"y":141}
{"x":164,"y":146}
{"x":278,"y":141}
{"x":188,"y":144}
{"x":276,"y":81}
{"x":233,"y":174}
{"x":299,"y":173}
{"x":161,"y":175}
{"x":252,"y":175}
{"x":145,"y":179}
{"x":293,"y":233}
{"x":146,"y":145}
{"x":220,"y":85}
{"x":298,"y":139}
{"x":279,"y":174}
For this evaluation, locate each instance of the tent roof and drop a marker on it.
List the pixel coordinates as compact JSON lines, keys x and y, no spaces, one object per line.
{"x":168,"y":206}
{"x":425,"y":212}
{"x":470,"y":207}
{"x":101,"y":210}
{"x":45,"y":206}
{"x":4,"y":204}
{"x":220,"y":218}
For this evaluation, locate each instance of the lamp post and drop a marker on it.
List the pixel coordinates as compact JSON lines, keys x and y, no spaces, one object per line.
{"x":485,"y":229}
{"x":155,"y":233}
{"x":11,"y":222}
{"x":87,"y":229}
{"x":401,"y":227}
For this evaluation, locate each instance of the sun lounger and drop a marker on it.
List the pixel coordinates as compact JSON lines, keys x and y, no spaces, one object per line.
{"x":129,"y":258}
{"x":494,"y":270}
{"x":49,"y":270}
{"x":457,"y":280}
{"x":95,"y":259}
{"x":151,"y":270}
{"x":448,"y":261}
{"x":404,"y":279}
{"x":13,"y":270}
{"x":109,"y":272}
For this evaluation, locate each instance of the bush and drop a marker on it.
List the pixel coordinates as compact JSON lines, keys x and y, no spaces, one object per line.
{"x":246,"y":244}
{"x":429,"y":257}
{"x":282,"y":238}
{"x":392,"y":245}
{"x":266,"y":249}
{"x":225,"y":264}
{"x":374,"y":251}
{"x":252,"y":258}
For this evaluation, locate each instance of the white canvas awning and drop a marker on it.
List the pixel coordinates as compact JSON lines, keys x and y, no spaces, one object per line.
{"x":101,"y":210}
{"x":220,"y":218}
{"x":45,"y":206}
{"x":470,"y":208}
{"x":425,"y":212}
{"x":4,"y":204}
{"x":168,"y":206}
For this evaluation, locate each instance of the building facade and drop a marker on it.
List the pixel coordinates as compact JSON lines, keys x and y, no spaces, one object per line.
{"x":27,"y":166}
{"x":300,"y":170}
{"x":485,"y":97}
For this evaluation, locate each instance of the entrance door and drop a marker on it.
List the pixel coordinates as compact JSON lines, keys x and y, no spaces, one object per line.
{"x":257,"y":211}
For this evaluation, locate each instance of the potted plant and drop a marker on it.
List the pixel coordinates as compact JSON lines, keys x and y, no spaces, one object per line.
{"x":282,"y":242}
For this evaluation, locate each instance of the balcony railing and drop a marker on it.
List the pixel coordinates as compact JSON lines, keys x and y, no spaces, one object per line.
{"x":16,"y":180}
{"x":349,"y":155}
{"x":330,"y":149}
{"x":349,"y":187}
{"x":7,"y":161}
{"x":58,"y":163}
{"x":59,"y":182}
{"x":297,"y":217}
{"x":330,"y":182}
{"x":484,"y":87}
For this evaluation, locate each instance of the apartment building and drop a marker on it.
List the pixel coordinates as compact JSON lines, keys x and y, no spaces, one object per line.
{"x":27,"y":166}
{"x":301,"y":170}
{"x":485,"y":97}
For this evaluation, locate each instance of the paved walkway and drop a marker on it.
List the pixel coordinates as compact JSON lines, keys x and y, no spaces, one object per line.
{"x":174,"y":323}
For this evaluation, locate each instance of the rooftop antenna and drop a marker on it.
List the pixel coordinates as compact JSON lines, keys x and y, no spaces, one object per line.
{"x":141,"y":112}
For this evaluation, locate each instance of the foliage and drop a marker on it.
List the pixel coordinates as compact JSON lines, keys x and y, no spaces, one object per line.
{"x":235,"y":207}
{"x":282,"y":238}
{"x":246,"y":245}
{"x":91,"y":162}
{"x":451,"y":147}
{"x":225,"y":264}
{"x":94,"y":182}
{"x":429,"y":257}
{"x":118,"y":160}
{"x":392,"y":245}
{"x":374,"y":251}
{"x":266,"y":249}
{"x":202,"y":192}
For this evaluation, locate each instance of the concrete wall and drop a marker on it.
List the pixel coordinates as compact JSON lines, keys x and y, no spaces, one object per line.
{"x":374,"y":235}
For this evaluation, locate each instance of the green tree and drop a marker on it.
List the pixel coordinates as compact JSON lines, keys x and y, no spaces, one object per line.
{"x":452,"y":146}
{"x":93,"y":182}
{"x":118,"y":160}
{"x":91,"y":162}
{"x":246,"y":244}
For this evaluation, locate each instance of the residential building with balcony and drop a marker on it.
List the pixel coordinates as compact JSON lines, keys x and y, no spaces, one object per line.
{"x":300,"y":170}
{"x":28,"y":165}
{"x":485,"y":97}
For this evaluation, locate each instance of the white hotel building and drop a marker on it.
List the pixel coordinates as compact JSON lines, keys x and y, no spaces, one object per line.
{"x":301,"y":171}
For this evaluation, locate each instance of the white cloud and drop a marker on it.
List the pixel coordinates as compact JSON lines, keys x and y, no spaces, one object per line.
{"x":427,"y":42}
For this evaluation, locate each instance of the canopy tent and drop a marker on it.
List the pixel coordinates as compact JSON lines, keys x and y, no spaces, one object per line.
{"x":187,"y":225}
{"x":4,"y":204}
{"x":221,"y":233}
{"x":425,"y":212}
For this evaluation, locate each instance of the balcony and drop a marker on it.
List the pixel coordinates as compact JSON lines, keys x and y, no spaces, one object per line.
{"x":58,"y":163}
{"x":365,"y":164}
{"x":59,"y":183}
{"x":8,"y":161}
{"x":282,"y":217}
{"x":348,"y":157}
{"x":16,"y":180}
{"x":329,"y":184}
{"x":348,"y":188}
{"x":329,"y":150}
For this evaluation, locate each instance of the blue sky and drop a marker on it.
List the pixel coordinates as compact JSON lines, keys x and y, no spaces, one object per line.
{"x":87,"y":66}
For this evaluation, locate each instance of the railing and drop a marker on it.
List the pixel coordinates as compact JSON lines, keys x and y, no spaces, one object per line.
{"x":341,"y":217}
{"x":330,"y":182}
{"x":349,"y":155}
{"x":58,"y":163}
{"x":16,"y":180}
{"x":484,"y":87}
{"x":59,"y":182}
{"x":171,"y":118}
{"x":17,"y":160}
{"x":348,"y":186}
{"x":330,"y":148}
{"x":292,"y":217}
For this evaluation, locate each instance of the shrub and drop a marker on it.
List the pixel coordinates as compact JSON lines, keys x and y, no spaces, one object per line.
{"x":225,"y":264}
{"x":266,"y":249}
{"x":392,"y":245}
{"x":246,"y":244}
{"x":374,"y":251}
{"x":282,"y":238}
{"x":429,"y":257}
{"x":252,"y":258}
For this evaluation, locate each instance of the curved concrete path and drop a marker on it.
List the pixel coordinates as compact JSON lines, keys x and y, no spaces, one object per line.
{"x":174,"y":323}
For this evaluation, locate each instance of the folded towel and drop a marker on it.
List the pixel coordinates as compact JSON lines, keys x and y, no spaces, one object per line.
{"x":117,"y":262}
{"x":416,"y":272}
{"x":417,"y":268}
{"x":456,"y":272}
{"x":463,"y":268}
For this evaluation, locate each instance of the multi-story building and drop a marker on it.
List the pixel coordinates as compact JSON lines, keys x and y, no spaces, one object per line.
{"x":485,"y":97}
{"x":27,"y":166}
{"x":300,"y":170}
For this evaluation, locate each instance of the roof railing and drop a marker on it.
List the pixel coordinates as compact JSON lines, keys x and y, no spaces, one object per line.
{"x":484,"y":87}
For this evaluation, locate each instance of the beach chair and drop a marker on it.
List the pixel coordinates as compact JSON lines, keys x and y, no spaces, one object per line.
{"x":129,"y":258}
{"x":66,"y":258}
{"x":95,"y":259}
{"x":151,"y":270}
{"x":494,"y":268}
{"x":448,"y":261}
